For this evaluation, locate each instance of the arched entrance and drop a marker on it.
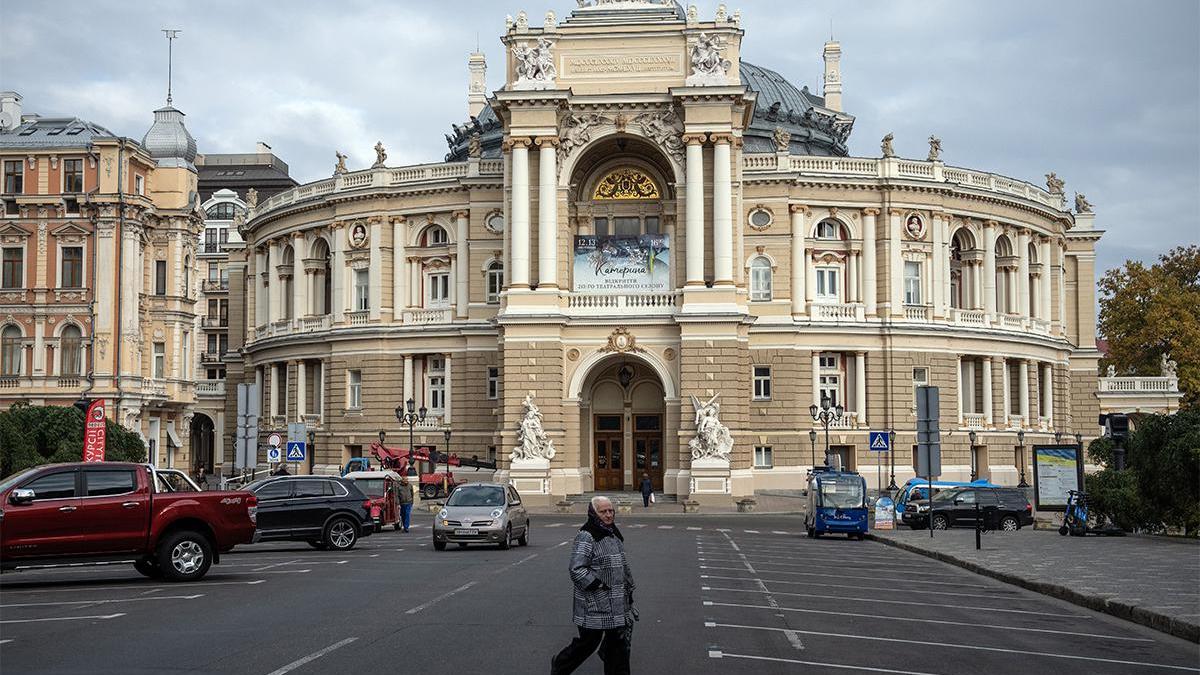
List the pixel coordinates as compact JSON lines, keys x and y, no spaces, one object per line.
{"x":623,"y":419}
{"x":203,"y":431}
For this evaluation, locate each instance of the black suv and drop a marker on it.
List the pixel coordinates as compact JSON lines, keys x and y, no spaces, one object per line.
{"x":1003,"y":508}
{"x":325,"y":511}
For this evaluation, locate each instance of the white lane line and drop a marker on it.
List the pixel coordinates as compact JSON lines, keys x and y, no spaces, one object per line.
{"x":3,"y":642}
{"x":751,"y":531}
{"x":312,"y":657}
{"x":138,"y":587}
{"x":399,"y":549}
{"x":373,"y":555}
{"x":845,"y":576}
{"x":638,"y":525}
{"x":666,"y":527}
{"x":561,"y":543}
{"x":842,"y":666}
{"x":102,"y":602}
{"x":895,"y":602}
{"x":951,"y":645}
{"x":822,"y":584}
{"x":935,"y":621}
{"x":286,"y":571}
{"x":694,"y":529}
{"x":278,"y":564}
{"x":792,"y":638}
{"x":822,"y":563}
{"x":316,"y":562}
{"x":780,"y":532}
{"x":554,"y":525}
{"x":441,"y":597}
{"x":65,"y":618}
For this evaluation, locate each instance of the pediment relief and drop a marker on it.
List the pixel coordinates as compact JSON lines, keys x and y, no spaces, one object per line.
{"x":70,"y":234}
{"x":11,"y":234}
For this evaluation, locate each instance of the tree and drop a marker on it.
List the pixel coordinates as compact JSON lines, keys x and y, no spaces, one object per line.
{"x":32,"y":435}
{"x":1146,"y":312}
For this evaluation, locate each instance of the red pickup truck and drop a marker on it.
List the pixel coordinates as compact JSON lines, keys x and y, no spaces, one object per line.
{"x":116,"y":511}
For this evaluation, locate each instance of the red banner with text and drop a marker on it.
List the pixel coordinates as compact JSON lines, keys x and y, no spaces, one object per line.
{"x":93,"y":432}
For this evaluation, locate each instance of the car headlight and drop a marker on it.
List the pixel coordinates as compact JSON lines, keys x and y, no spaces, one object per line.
{"x":443,"y":514}
{"x":921,"y":508}
{"x":497,"y":513}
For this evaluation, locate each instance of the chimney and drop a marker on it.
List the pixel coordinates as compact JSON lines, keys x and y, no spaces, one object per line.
{"x":477,"y":93}
{"x":10,"y":110}
{"x":833,"y":75}
{"x":263,"y":148}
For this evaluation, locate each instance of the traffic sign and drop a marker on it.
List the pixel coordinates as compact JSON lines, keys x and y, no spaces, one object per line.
{"x":879,"y":442}
{"x":295,"y":451}
{"x":274,"y":454}
{"x":274,"y":439}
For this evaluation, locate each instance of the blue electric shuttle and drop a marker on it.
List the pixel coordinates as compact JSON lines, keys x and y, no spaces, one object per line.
{"x":837,"y":502}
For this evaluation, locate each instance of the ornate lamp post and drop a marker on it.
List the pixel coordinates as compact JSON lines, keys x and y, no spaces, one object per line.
{"x":812,"y":442}
{"x":312,"y":451}
{"x":446,"y":476}
{"x":972,"y":437}
{"x":826,"y":414}
{"x":1021,"y":445}
{"x":892,"y":457}
{"x":408,"y":415}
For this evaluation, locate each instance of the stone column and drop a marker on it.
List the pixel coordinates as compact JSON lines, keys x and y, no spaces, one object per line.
{"x":322,"y":385}
{"x":301,"y":385}
{"x":694,"y":206}
{"x":1023,"y":386}
{"x":261,"y":303}
{"x":810,"y":277}
{"x":1005,"y":383}
{"x":852,"y":277}
{"x":989,"y":267}
{"x":299,"y":288}
{"x":971,"y":407}
{"x":1048,"y":392}
{"x":399,"y":267}
{"x":816,"y":377}
{"x":1023,"y":272}
{"x":895,"y":264}
{"x":1061,"y":286}
{"x":408,"y":376}
{"x":39,"y":346}
{"x":987,"y":392}
{"x":938,"y":281}
{"x":462,"y":271}
{"x":1044,"y":291}
{"x":976,"y":285}
{"x":860,"y":387}
{"x":547,"y":214}
{"x":259,"y":375}
{"x":375,"y":272}
{"x":273,"y":398}
{"x":870,"y":286}
{"x":414,"y":282}
{"x":449,"y":393}
{"x":337,"y":270}
{"x":799,"y":267}
{"x":722,"y":211}
{"x":520,"y":213}
{"x":958,"y":378}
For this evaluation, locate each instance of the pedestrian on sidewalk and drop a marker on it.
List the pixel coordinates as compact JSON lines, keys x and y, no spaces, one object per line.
{"x":647,"y":490}
{"x":603,"y":594}
{"x":406,"y":501}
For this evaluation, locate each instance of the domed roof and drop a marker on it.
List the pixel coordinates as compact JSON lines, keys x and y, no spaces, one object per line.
{"x":814,"y":129}
{"x":168,"y":140}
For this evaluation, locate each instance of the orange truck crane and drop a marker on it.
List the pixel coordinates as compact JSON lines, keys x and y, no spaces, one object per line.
{"x":434,"y":483}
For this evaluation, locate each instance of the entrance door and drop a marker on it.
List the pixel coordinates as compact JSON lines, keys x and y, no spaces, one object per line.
{"x":647,"y":449}
{"x":609,"y":468}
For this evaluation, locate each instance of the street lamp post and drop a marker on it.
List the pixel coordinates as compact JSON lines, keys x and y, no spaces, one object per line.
{"x":826,"y":414}
{"x":892,"y":457}
{"x":972,"y":436}
{"x":408,"y":414}
{"x":812,"y":442}
{"x":446,"y":477}
{"x":312,"y":451}
{"x":1021,"y":445}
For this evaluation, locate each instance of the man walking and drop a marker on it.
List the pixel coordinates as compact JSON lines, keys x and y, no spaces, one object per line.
{"x":406,"y":501}
{"x":647,"y":489}
{"x":603,"y":594}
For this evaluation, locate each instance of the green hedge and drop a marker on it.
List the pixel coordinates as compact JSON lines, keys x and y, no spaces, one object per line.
{"x":32,"y":435}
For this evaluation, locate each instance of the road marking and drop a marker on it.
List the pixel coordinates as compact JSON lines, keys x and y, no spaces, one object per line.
{"x":843,"y":666}
{"x":791,"y":637}
{"x":312,"y":657}
{"x":399,"y":549}
{"x":278,"y":564}
{"x":554,"y":525}
{"x":780,"y":532}
{"x":439,"y":598}
{"x":373,"y":555}
{"x":759,"y":561}
{"x":895,"y":602}
{"x":951,"y":645}
{"x":137,"y":587}
{"x":694,"y":529}
{"x":286,"y":571}
{"x":102,"y":602}
{"x":66,"y":618}
{"x":844,"y":576}
{"x":935,"y":621}
{"x":1012,"y":596}
{"x":666,"y":527}
{"x":4,"y":642}
{"x":751,"y":532}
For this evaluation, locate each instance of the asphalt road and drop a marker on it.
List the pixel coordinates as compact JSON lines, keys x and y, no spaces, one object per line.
{"x":727,"y":594}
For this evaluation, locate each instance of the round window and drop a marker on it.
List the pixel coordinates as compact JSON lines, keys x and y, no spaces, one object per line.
{"x":760,"y":218}
{"x":494,"y":222}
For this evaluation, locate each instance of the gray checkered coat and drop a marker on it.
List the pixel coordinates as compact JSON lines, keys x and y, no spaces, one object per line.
{"x":604,"y":560}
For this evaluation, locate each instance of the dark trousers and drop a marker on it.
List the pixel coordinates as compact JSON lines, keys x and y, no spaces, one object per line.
{"x":646,"y":499}
{"x":614,"y":652}
{"x":405,"y":514}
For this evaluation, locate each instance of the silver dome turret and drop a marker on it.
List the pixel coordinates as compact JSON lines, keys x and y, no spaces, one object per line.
{"x":168,"y":140}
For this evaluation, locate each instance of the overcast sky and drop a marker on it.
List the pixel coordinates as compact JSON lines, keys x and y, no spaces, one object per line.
{"x":1105,"y":93}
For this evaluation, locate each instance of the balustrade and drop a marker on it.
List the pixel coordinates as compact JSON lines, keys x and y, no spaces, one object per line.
{"x":359,"y":318}
{"x":417,"y":317}
{"x":973,"y":420}
{"x":969,"y":317}
{"x":916,"y":313}
{"x":210,"y":387}
{"x":650,"y":303}
{"x":837,"y":312}
{"x":1139,"y":384}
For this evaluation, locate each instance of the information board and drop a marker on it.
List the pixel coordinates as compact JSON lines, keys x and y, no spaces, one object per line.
{"x":1056,"y":471}
{"x":622,"y":264}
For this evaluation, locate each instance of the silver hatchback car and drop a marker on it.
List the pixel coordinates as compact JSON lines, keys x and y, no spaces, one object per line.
{"x":481,"y":513}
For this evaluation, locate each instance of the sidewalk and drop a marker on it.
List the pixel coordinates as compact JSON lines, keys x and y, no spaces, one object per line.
{"x":766,"y":504}
{"x":1154,"y":581}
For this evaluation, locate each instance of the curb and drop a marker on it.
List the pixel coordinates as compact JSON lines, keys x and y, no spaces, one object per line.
{"x":1121,"y":610}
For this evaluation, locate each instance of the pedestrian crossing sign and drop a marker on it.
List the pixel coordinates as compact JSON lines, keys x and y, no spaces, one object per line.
{"x":295,"y":451}
{"x":879,"y":442}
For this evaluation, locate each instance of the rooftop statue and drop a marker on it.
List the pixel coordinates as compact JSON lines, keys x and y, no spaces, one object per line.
{"x":252,"y":198}
{"x":782,"y":139}
{"x":708,"y":66}
{"x":340,"y":167}
{"x":380,"y":155}
{"x":1167,"y":365}
{"x":535,"y":66}
{"x":474,"y":148}
{"x":935,"y":148}
{"x":1054,"y":184}
{"x":1082,"y":205}
{"x":886,"y":145}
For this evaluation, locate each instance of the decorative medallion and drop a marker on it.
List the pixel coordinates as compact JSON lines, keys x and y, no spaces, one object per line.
{"x":914,"y":226}
{"x":669,"y":354}
{"x":357,"y":234}
{"x":621,"y":341}
{"x":626,"y":183}
{"x":494,"y":222}
{"x":572,"y":354}
{"x":760,"y":218}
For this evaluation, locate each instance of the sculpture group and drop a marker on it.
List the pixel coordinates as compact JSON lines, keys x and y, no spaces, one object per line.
{"x":535,"y":66}
{"x":712,"y":440}
{"x":532,"y":441}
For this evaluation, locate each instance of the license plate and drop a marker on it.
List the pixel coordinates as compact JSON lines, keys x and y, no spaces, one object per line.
{"x":466,"y":531}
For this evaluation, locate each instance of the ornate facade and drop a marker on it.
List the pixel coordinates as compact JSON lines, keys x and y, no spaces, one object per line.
{"x":671,"y":252}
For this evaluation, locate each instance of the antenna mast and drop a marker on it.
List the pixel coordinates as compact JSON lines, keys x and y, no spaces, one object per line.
{"x":171,"y":34}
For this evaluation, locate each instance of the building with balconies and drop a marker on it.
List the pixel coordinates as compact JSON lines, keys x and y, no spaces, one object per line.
{"x":625,"y":239}
{"x":97,"y":240}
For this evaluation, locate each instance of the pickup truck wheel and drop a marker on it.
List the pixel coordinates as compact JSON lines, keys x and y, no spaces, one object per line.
{"x":340,"y":534}
{"x":148,"y":567}
{"x":184,"y":556}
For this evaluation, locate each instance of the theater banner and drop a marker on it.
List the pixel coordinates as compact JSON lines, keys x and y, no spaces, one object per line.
{"x":94,"y":432}
{"x":622,"y":264}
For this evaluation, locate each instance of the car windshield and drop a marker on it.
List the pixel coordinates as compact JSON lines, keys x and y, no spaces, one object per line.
{"x":16,"y":478}
{"x":947,"y":495}
{"x":477,"y":495}
{"x":841,"y":492}
{"x":373,"y":487}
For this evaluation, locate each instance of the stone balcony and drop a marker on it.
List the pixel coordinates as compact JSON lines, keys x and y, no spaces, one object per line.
{"x":210,"y":388}
{"x":974,"y":421}
{"x":837,"y":312}
{"x":585,"y":304}
{"x":1155,"y":394}
{"x":423,"y":317}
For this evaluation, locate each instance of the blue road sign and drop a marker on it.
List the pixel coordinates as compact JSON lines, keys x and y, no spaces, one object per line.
{"x":295,"y":451}
{"x":879,"y":442}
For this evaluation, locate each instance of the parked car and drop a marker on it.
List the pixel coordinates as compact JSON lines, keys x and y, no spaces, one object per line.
{"x":326,"y":511}
{"x":383,"y":489}
{"x":918,"y":488}
{"x":1010,"y":508}
{"x":481,"y":513}
{"x":115,"y":511}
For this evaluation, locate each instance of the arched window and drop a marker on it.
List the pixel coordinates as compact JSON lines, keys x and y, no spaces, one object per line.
{"x":10,"y":351}
{"x":1005,"y":276}
{"x":70,"y":346}
{"x":760,"y":279}
{"x":829,"y":229}
{"x":965,"y":284}
{"x":436,"y":236}
{"x":495,"y":281}
{"x":321,"y":291}
{"x":187,"y":276}
{"x":1032,"y":280}
{"x":222,"y":211}
{"x":288,"y":263}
